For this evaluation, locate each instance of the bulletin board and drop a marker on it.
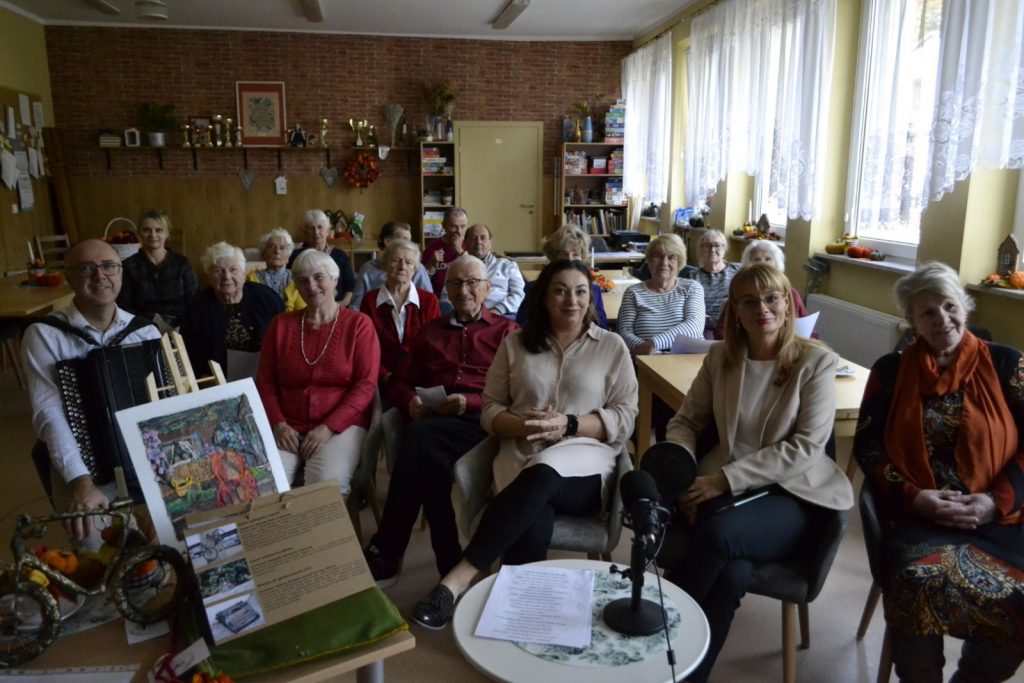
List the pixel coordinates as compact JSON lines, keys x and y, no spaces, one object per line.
{"x":25,"y":208}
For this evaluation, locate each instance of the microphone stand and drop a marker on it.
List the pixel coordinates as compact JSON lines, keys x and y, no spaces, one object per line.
{"x":634,"y":616}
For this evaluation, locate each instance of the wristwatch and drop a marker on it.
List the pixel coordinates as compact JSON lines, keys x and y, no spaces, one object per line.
{"x":572,"y":425}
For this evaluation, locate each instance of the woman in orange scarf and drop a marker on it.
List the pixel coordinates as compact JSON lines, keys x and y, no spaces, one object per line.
{"x":940,"y":440}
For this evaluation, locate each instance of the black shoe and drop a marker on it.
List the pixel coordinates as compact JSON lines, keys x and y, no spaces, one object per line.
{"x":436,"y":610}
{"x":385,"y":573}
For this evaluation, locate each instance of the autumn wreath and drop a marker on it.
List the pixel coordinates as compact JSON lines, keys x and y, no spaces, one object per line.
{"x":361,"y":171}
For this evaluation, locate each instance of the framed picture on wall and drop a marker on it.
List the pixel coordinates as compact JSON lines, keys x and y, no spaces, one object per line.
{"x":261,"y":113}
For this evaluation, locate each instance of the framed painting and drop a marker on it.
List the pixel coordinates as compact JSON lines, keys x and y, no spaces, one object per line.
{"x":261,"y":113}
{"x":201,"y":451}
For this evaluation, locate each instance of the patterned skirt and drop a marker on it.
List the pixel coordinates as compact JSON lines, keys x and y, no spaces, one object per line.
{"x":966,"y":584}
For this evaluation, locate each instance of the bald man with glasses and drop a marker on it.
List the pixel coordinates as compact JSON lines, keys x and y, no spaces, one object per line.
{"x":92,"y":320}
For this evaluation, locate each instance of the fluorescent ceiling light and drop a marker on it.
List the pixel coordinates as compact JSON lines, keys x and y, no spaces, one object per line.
{"x":151,"y":9}
{"x":512,"y":10}
{"x":313,"y":9}
{"x":103,"y":6}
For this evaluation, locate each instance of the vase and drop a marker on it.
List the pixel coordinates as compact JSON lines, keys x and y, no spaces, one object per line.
{"x":577,"y":134}
{"x":588,"y":130}
{"x":156,"y":139}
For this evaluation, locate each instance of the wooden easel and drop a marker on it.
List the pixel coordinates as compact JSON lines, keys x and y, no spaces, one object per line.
{"x":183,"y":379}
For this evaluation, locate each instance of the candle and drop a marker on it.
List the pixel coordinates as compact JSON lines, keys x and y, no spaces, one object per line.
{"x":750,"y":210}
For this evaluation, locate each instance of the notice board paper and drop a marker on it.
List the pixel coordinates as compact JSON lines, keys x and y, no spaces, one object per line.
{"x":281,"y":556}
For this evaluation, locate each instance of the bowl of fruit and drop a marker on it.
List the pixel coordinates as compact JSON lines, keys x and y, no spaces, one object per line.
{"x":125,"y":242}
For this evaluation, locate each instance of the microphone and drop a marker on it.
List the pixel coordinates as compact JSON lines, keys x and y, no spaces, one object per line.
{"x":640,"y":499}
{"x":635,"y":616}
{"x":673,"y":469}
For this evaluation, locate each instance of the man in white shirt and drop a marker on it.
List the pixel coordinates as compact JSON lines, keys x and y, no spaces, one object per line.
{"x":94,"y":272}
{"x":507,"y":285}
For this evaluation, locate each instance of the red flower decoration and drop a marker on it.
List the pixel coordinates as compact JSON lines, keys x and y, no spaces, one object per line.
{"x":361,"y":171}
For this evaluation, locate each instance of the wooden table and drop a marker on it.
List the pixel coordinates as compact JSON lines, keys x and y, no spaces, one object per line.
{"x":17,"y":301}
{"x":106,"y":646}
{"x":669,"y":378}
{"x":599,"y":257}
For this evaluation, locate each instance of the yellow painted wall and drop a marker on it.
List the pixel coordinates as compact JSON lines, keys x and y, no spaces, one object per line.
{"x":23,"y":64}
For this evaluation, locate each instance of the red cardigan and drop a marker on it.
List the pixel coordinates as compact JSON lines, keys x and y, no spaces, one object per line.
{"x":337,"y":391}
{"x":393,"y":351}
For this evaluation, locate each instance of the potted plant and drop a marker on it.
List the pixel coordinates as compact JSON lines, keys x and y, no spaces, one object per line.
{"x":157,"y":120}
{"x":440,"y":99}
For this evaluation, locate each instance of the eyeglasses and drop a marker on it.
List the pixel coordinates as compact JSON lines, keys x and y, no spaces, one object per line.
{"x":89,"y":269}
{"x":752,"y":303}
{"x":713,"y":247}
{"x":458,"y":284}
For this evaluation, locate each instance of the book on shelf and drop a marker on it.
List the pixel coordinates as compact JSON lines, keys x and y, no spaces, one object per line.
{"x":613,"y":192}
{"x":432,"y":224}
{"x":595,"y":221}
{"x":575,"y":163}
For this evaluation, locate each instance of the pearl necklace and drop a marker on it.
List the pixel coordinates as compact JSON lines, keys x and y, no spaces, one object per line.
{"x":302,"y":338}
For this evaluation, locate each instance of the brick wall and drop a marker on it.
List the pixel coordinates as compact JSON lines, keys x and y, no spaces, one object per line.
{"x":100,"y":76}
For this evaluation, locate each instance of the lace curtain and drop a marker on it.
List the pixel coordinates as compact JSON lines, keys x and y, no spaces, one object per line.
{"x":647,"y":88}
{"x":979,"y":111}
{"x":760,"y":80}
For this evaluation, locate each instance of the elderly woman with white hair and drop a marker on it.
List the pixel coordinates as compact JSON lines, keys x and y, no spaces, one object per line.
{"x":372,"y":274}
{"x":766,"y":251}
{"x":317,"y":378}
{"x":275,"y":247}
{"x":318,"y":229}
{"x":940,"y":438}
{"x":399,"y":307}
{"x":230,"y":313}
{"x":714,"y":276}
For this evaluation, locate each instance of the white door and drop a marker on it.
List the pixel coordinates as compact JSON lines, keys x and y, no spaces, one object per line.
{"x":499,"y":179}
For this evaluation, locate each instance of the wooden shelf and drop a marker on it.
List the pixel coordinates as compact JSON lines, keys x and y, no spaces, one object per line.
{"x":595,"y":219}
{"x":593,"y":175}
{"x":435,"y":182}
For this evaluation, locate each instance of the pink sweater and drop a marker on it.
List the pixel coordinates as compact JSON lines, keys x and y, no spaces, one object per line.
{"x":337,"y":391}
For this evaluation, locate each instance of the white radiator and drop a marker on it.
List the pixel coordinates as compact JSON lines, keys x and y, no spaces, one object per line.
{"x":856,"y":333}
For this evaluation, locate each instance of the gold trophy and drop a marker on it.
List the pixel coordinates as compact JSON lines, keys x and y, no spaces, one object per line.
{"x":218,"y":130}
{"x":208,"y":137}
{"x":227,"y":131}
{"x":187,"y":130}
{"x":323,"y":132}
{"x":359,"y":127}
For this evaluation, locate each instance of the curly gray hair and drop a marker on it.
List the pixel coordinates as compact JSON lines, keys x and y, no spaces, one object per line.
{"x":222,"y":250}
{"x":277,"y":233}
{"x":931,"y":278}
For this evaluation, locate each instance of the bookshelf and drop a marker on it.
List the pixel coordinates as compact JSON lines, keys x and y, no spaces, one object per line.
{"x":591,"y":187}
{"x":437,"y":186}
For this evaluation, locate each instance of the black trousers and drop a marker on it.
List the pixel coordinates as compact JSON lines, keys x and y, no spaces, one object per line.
{"x":423,"y":478}
{"x":715,"y":563}
{"x":517,"y":524}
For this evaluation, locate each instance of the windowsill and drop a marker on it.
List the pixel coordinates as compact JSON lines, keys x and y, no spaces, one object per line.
{"x":890,"y":265}
{"x":743,"y":240}
{"x":1006,"y":292}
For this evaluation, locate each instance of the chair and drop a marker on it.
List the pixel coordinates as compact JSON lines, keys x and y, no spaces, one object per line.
{"x":873,"y":542}
{"x":593,"y":535}
{"x":53,"y":249}
{"x":365,"y":477}
{"x":10,"y":339}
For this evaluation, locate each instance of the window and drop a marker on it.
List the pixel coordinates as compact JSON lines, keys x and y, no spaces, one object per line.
{"x":896,"y":81}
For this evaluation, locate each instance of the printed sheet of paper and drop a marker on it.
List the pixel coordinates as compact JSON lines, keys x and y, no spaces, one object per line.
{"x":292,"y":552}
{"x":546,"y":605}
{"x":37,"y":114}
{"x":684,"y":344}
{"x":26,"y":109}
{"x":431,"y":396}
{"x":8,"y":169}
{"x":805,"y":325}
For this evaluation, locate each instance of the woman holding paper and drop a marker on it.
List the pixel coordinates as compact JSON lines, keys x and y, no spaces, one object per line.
{"x":317,"y":377}
{"x":562,"y":396}
{"x":771,"y":397}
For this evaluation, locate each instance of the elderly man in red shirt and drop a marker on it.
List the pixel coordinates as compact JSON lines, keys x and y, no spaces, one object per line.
{"x":453,"y":352}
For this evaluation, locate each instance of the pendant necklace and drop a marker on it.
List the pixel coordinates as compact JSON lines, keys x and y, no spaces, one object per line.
{"x":302,"y":339}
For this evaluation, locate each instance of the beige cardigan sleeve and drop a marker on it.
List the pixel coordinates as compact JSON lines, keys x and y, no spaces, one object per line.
{"x":618,"y":414}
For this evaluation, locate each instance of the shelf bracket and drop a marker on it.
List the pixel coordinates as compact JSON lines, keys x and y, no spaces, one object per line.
{"x":279,"y":160}
{"x":245,"y":159}
{"x":160,"y":157}
{"x":327,"y":156}
{"x":195,"y":159}
{"x":107,"y":152}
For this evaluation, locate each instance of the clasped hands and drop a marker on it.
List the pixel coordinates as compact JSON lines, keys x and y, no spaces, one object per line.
{"x":544,"y":426}
{"x":305,"y":446}
{"x":955,"y":509}
{"x":453,"y":405}
{"x":703,"y":489}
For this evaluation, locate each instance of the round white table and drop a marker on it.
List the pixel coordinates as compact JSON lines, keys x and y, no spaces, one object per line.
{"x":505,"y":661}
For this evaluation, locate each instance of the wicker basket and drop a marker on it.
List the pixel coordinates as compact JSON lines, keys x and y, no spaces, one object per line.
{"x":123,"y":250}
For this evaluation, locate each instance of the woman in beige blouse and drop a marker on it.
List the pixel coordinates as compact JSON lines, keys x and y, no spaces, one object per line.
{"x":562,"y":395}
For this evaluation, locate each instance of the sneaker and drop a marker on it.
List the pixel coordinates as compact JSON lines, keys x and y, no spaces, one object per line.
{"x":436,"y":610}
{"x":385,"y":573}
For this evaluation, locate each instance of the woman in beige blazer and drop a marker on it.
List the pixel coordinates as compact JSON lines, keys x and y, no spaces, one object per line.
{"x":771,"y":397}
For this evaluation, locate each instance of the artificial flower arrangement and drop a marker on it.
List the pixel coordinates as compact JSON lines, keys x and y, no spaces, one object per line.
{"x":361,"y":171}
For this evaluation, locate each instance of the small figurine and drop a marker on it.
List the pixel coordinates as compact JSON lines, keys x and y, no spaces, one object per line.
{"x":298,"y":138}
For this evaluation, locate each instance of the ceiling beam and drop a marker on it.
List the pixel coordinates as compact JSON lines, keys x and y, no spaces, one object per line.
{"x":314,"y":10}
{"x":103,"y":6}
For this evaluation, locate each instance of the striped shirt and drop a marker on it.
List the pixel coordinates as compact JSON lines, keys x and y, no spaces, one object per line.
{"x":661,"y":317}
{"x":716,"y":289}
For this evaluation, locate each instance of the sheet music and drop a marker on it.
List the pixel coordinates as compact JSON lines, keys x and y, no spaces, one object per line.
{"x":805,"y":325}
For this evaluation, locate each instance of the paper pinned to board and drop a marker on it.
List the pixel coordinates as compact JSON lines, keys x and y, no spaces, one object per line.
{"x":805,"y":325}
{"x":684,"y":344}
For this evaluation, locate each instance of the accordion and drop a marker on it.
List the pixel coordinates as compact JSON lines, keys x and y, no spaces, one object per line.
{"x":93,"y":388}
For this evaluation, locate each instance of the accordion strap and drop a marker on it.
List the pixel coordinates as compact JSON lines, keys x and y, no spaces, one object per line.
{"x":136,"y":323}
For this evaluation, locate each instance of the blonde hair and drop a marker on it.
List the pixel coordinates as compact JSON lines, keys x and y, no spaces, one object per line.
{"x":670,"y":244}
{"x":565,"y":238}
{"x":761,"y":278}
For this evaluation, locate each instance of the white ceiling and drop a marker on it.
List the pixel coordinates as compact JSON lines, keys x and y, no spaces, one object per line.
{"x":542,"y":19}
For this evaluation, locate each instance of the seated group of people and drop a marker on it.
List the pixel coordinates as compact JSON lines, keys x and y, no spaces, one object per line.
{"x":940,"y":433}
